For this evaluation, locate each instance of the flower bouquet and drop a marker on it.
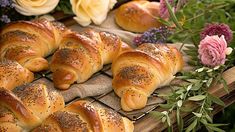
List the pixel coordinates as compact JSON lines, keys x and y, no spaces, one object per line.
{"x":205,"y":30}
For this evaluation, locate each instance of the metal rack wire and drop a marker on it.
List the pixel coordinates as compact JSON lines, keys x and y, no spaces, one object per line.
{"x":111,"y":100}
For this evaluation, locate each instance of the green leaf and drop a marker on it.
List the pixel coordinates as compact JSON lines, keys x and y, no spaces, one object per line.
{"x":197,"y":86}
{"x":186,"y":109}
{"x":217,"y":125}
{"x":165,"y":106}
{"x":168,"y":120}
{"x":180,"y":121}
{"x":191,"y":126}
{"x":209,"y":118}
{"x":163,"y":119}
{"x":215,"y":129}
{"x":203,"y":121}
{"x":156,"y":114}
{"x":179,"y":103}
{"x":173,"y":17}
{"x":197,"y":98}
{"x":208,"y":83}
{"x":224,"y":84}
{"x":216,"y":100}
{"x":167,"y":23}
{"x":199,"y":115}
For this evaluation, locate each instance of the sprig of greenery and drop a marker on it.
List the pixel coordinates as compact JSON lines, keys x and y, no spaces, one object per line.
{"x":194,"y":89}
{"x":189,"y":22}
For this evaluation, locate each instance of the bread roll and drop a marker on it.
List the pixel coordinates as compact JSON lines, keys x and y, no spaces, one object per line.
{"x":81,"y":116}
{"x":136,"y":74}
{"x":138,"y":16}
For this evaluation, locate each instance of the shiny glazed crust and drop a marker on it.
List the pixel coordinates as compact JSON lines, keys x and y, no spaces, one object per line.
{"x":81,"y":55}
{"x":28,"y":42}
{"x":138,"y":16}
{"x":82,"y":116}
{"x":136,"y":74}
{"x":26,"y":107}
{"x":13,"y":74}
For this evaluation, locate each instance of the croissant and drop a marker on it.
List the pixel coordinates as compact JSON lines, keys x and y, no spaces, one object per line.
{"x":27,"y":42}
{"x":81,"y":55}
{"x":12,"y":74}
{"x":25,"y":108}
{"x":81,"y":116}
{"x":138,"y":15}
{"x":136,"y":74}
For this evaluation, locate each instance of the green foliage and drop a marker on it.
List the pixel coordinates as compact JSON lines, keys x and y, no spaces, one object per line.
{"x":189,"y":22}
{"x":196,"y":13}
{"x":65,"y":6}
{"x":194,"y":89}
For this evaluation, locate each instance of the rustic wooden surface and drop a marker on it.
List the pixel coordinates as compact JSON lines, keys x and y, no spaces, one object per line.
{"x":157,"y":125}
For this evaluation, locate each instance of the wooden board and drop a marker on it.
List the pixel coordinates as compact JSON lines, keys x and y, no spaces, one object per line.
{"x":157,"y":125}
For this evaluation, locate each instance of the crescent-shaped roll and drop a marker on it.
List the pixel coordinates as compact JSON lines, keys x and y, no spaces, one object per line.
{"x":138,"y":16}
{"x":81,"y":116}
{"x":81,"y":55}
{"x":28,"y":42}
{"x":25,"y":108}
{"x":12,"y":74}
{"x":136,"y":74}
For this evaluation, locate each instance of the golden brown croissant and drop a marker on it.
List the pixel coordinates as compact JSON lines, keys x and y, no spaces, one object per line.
{"x":12,"y":74}
{"x":81,"y":116}
{"x":81,"y":55}
{"x":136,"y":74}
{"x":28,"y":42}
{"x":24,"y":108}
{"x":138,"y":16}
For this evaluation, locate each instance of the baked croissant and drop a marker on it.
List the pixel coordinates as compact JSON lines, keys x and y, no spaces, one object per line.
{"x":12,"y":74}
{"x":136,"y":74}
{"x":81,"y":116}
{"x":26,"y":107}
{"x":138,"y":15}
{"x":27,"y":42}
{"x":81,"y":55}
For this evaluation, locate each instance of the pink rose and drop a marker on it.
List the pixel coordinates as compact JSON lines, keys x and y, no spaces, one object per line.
{"x":212,"y":50}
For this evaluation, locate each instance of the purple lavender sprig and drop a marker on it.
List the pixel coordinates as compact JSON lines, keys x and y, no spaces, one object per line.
{"x":154,"y":35}
{"x":6,"y":3}
{"x":5,"y":19}
{"x":6,"y":7}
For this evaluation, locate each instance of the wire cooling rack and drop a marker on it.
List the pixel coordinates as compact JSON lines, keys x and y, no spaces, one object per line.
{"x":110,"y":99}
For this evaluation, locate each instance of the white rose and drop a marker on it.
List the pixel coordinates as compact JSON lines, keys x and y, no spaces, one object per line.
{"x":88,"y":11}
{"x":35,"y":7}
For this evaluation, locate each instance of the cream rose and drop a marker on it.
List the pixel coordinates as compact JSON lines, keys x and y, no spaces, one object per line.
{"x":88,"y":11}
{"x":35,"y":7}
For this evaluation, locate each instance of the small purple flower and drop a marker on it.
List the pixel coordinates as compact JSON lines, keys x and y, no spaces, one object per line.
{"x":154,"y":35}
{"x":163,"y":8}
{"x":5,"y":3}
{"x":217,"y":29}
{"x":5,"y":19}
{"x":137,"y":40}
